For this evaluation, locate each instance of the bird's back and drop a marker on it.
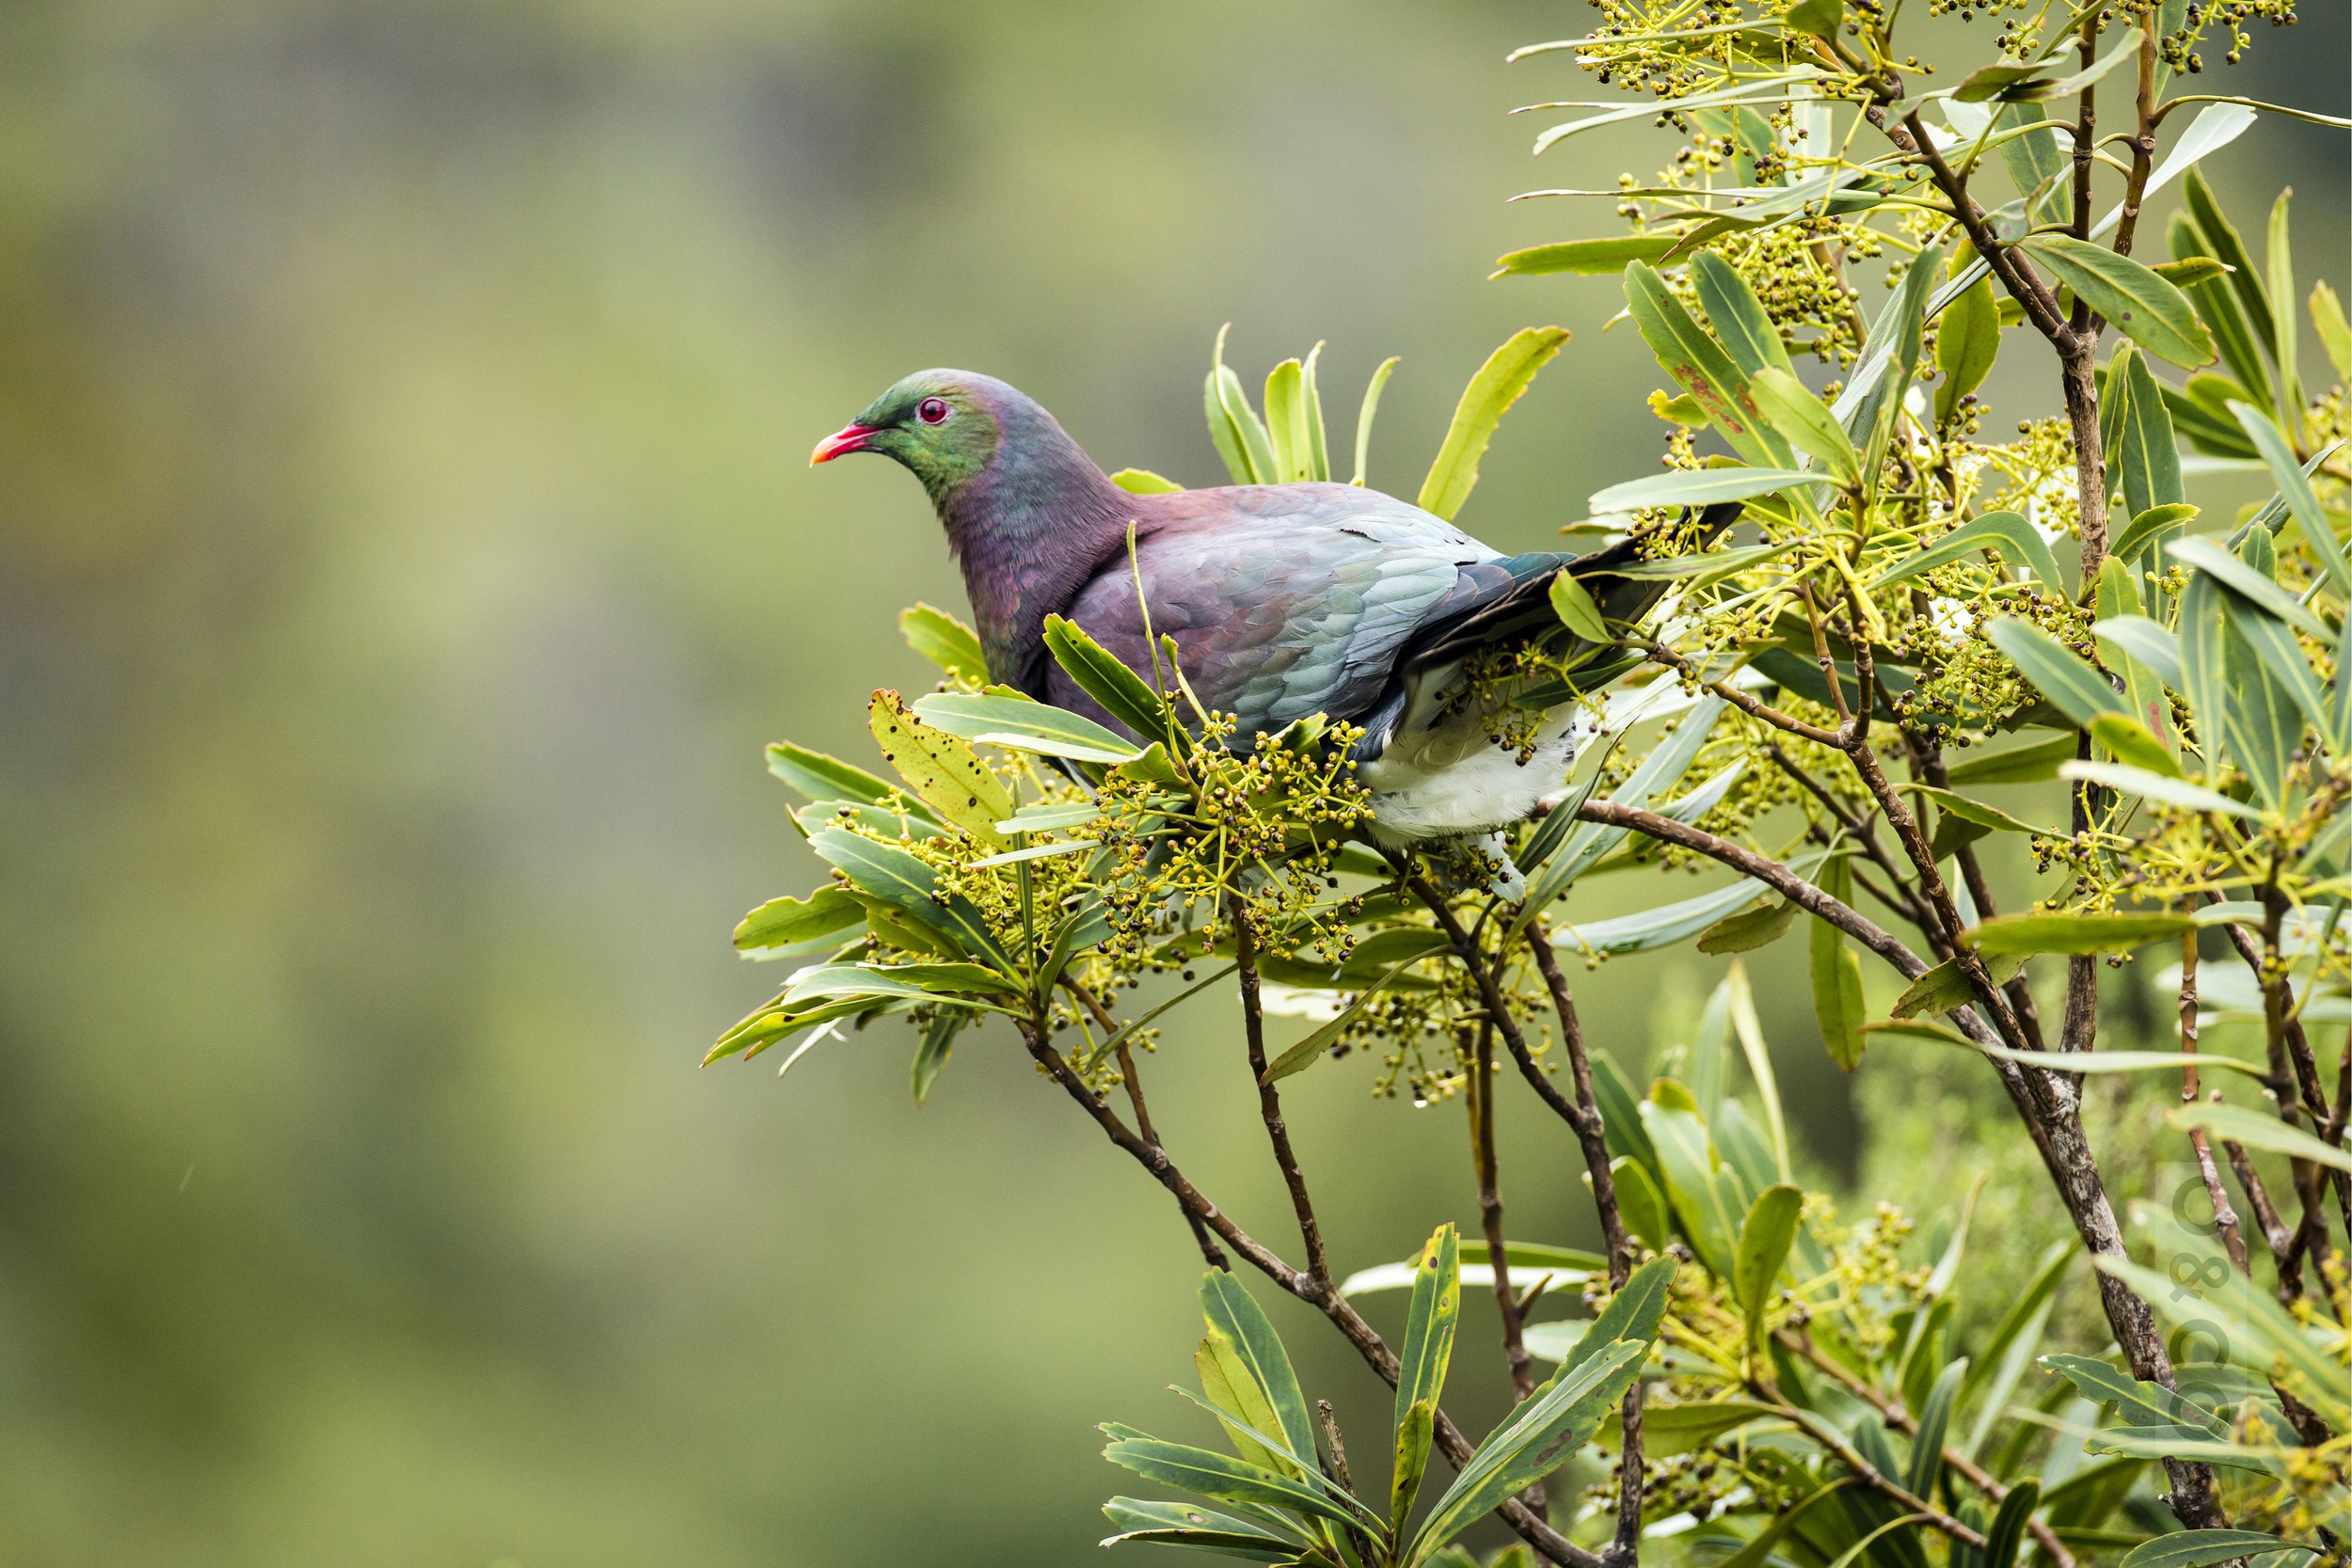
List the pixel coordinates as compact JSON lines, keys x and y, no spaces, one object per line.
{"x":1284,"y":600}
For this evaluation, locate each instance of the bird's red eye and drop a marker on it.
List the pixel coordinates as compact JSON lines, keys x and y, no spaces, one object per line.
{"x":932,"y":410}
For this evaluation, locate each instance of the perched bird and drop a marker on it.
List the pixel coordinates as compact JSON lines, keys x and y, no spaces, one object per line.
{"x":1285,"y":600}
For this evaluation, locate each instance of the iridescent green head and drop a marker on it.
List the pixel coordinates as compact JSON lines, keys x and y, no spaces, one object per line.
{"x":944,"y":426}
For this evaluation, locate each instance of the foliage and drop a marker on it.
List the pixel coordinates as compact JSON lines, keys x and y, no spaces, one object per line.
{"x":1910,"y":616}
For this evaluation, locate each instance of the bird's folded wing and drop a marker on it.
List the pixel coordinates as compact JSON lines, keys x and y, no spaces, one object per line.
{"x":1284,"y":602}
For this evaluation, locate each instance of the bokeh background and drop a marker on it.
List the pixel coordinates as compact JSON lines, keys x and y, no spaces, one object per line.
{"x":405,"y":546}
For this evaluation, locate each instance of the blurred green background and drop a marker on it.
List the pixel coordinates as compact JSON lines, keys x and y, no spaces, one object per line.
{"x":407,"y":546}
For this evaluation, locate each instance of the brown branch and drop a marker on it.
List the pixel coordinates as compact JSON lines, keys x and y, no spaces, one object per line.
{"x":2283,"y":1253}
{"x":1269,"y":1100}
{"x":2086,"y":137}
{"x":2290,"y":1047}
{"x":1457,"y":1449}
{"x":1592,"y":1132}
{"x":2143,"y":142}
{"x":1487,"y":1168}
{"x":2040,"y":305}
{"x":2224,"y":1218}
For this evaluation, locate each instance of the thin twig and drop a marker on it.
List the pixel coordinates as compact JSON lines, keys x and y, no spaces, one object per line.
{"x":1592,"y":1131}
{"x":1487,"y":1168}
{"x":2224,"y":1218}
{"x":1269,"y":1101}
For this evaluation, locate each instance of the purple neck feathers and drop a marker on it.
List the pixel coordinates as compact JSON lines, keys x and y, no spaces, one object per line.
{"x":1030,"y":531}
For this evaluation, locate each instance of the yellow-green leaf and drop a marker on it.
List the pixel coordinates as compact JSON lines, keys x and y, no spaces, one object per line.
{"x":1506,"y":374}
{"x":940,"y":769}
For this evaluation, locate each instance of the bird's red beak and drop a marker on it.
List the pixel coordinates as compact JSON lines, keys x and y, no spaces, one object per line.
{"x":849,"y":437}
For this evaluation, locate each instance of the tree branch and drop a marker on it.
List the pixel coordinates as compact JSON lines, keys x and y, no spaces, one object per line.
{"x":1269,"y":1101}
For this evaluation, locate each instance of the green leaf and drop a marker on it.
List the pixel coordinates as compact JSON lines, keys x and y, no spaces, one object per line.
{"x":906,"y":884}
{"x":2160,"y":787}
{"x":1559,"y":1419}
{"x":1697,"y":487}
{"x":2193,"y":269}
{"x":1749,"y":929}
{"x":1935,"y":1417}
{"x":1638,"y":1199}
{"x":2284,"y":662}
{"x":2199,"y":1549}
{"x":1765,"y":1237}
{"x":2281,"y":277}
{"x":2246,"y":582}
{"x":2117,"y":932}
{"x":1233,"y":425}
{"x":2265,"y":731}
{"x":940,"y":770}
{"x":2020,"y":765}
{"x":2335,"y":335}
{"x":1231,"y":1311}
{"x":2151,"y":643}
{"x":1801,"y":417}
{"x":1506,"y":374}
{"x":2035,"y":162}
{"x":1869,"y":404}
{"x":1988,"y":817}
{"x":1136,"y":1516}
{"x":1429,"y":1327}
{"x":1364,"y":414}
{"x":2219,"y":302}
{"x":2295,"y":486}
{"x":1650,"y":930}
{"x":2148,"y":453}
{"x":2149,"y":528}
{"x":1286,"y":423}
{"x":1700,"y":367}
{"x":1837,"y":1004}
{"x":1738,"y":318}
{"x":944,"y":640}
{"x":1819,"y":18}
{"x":2060,"y":673}
{"x":1577,"y":610}
{"x":1303,"y":1055}
{"x":1214,"y":1475}
{"x":2256,"y":1130}
{"x":1699,"y":1192}
{"x":2007,"y":1531}
{"x":1143,"y":482}
{"x":2204,"y":669}
{"x":1669,"y":1430}
{"x":1607,"y":255}
{"x":2130,"y":742}
{"x":2142,"y":305}
{"x":1966,"y":344}
{"x":939,"y":1039}
{"x":818,"y":777}
{"x":1944,"y":988}
{"x":2136,"y":1403}
{"x":1227,"y":1389}
{"x":785,"y":927}
{"x":1094,"y":669}
{"x":1023,"y":724}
